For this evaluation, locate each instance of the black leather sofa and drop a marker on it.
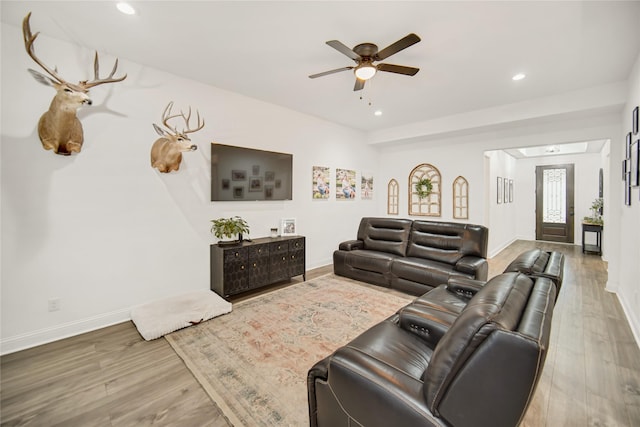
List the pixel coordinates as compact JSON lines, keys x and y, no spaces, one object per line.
{"x":413,"y":256}
{"x":475,"y":365}
{"x":540,"y":263}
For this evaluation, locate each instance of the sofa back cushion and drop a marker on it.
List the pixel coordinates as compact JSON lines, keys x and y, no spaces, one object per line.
{"x":385,"y":234}
{"x":490,"y":360}
{"x":447,"y":241}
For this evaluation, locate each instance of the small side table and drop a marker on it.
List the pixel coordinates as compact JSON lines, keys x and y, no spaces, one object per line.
{"x":592,"y":228}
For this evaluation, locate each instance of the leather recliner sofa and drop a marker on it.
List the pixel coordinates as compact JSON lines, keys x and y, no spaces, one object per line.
{"x":477,"y":367}
{"x":413,"y":256}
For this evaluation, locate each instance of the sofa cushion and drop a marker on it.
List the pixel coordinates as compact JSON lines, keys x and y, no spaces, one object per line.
{"x":484,"y":314}
{"x":385,"y":234}
{"x":529,"y":262}
{"x":447,"y":242}
{"x":380,"y":262}
{"x":539,"y":263}
{"x":422,"y":270}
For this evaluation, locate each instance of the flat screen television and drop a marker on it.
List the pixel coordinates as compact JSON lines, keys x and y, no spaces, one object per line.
{"x":247,"y":174}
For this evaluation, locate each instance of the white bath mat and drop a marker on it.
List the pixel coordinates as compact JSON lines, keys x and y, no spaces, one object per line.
{"x":160,"y":317}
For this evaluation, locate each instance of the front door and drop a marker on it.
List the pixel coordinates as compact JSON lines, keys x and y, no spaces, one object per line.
{"x":554,"y":203}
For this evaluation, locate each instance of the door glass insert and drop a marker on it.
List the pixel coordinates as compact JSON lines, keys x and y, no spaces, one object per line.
{"x":554,"y":196}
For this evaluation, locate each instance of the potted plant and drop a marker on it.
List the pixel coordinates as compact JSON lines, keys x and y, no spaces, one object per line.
{"x":229,"y":228}
{"x":596,"y":213}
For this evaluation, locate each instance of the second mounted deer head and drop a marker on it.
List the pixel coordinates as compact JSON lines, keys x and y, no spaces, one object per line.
{"x":166,"y":152}
{"x":59,"y":128}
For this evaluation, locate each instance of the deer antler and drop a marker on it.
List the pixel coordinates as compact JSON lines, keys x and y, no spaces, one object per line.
{"x":96,"y":72}
{"x":188,"y":118}
{"x":166,"y":116}
{"x":29,"y":39}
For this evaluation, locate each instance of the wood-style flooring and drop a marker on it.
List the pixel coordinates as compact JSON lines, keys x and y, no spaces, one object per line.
{"x":112,"y":377}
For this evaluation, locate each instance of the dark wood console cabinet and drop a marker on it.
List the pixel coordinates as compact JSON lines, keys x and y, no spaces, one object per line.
{"x":261,"y":262}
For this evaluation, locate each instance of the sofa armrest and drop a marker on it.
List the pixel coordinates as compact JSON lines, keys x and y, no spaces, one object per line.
{"x":473,"y":265}
{"x":427,"y":322}
{"x":351,"y":245}
{"x":464,"y":287}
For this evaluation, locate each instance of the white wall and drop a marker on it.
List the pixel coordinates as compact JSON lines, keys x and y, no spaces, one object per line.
{"x":103,"y":231}
{"x":626,"y":282}
{"x":586,"y":185}
{"x":478,"y":157}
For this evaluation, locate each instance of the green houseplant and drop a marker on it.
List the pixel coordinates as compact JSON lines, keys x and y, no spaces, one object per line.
{"x":229,"y":228}
{"x":596,"y":213}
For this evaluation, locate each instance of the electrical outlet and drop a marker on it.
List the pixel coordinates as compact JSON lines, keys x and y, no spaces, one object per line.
{"x":54,"y":304}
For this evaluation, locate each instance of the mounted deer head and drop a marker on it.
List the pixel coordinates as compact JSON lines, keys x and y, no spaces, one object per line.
{"x":59,"y":128}
{"x":166,"y":153}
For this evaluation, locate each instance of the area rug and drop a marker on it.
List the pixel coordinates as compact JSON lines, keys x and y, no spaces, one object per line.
{"x":254,"y":361}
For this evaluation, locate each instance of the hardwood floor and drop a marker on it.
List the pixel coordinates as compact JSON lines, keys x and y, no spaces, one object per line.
{"x":112,"y":377}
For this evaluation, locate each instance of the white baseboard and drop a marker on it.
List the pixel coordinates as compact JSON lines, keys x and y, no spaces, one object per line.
{"x":496,"y":251}
{"x":632,"y":319}
{"x":65,"y":330}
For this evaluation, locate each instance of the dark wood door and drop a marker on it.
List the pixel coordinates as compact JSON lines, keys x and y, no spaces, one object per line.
{"x":554,"y":203}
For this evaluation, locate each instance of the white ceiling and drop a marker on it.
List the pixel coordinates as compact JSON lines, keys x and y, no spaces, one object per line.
{"x":266,"y":50}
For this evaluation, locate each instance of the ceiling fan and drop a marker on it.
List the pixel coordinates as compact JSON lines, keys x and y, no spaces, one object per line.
{"x":365,"y":54}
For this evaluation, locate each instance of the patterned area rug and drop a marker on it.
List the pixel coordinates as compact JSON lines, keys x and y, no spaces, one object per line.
{"x":253,"y":362}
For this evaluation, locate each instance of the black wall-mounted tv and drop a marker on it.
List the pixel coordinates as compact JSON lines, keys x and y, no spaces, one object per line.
{"x":247,"y":174}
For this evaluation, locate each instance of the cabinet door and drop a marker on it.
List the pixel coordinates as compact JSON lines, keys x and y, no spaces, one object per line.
{"x":296,"y":257}
{"x":258,"y":266}
{"x":236,"y":278}
{"x":278,"y":261}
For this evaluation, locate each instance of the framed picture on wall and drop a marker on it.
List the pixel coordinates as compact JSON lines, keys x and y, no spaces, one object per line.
{"x":510,"y":190}
{"x":288,"y":227}
{"x":499,"y":190}
{"x":634,"y":120}
{"x":628,"y":146}
{"x":635,"y":163}
{"x":505,"y":193}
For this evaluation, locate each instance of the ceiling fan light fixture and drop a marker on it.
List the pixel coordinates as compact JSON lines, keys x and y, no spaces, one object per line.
{"x":365,"y":71}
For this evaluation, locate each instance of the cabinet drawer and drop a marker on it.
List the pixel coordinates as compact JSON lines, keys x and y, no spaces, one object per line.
{"x":236,"y":255}
{"x":296,"y":244}
{"x":278,"y":248}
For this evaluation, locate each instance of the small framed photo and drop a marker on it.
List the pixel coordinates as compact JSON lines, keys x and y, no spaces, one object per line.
{"x":238,"y":175}
{"x":628,"y":151}
{"x":255,"y":170}
{"x":238,"y":192}
{"x":634,"y":167}
{"x":288,"y":227}
{"x":625,"y":169}
{"x":510,"y":191}
{"x":499,"y":190}
{"x":226,"y":184}
{"x":634,"y":119}
{"x":269,"y":176}
{"x":255,"y":183}
{"x":506,"y":190}
{"x":268,"y":192}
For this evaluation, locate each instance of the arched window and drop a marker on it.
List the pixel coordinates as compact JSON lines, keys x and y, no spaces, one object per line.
{"x":393,"y":197}
{"x":460,"y":198}
{"x":429,"y":204}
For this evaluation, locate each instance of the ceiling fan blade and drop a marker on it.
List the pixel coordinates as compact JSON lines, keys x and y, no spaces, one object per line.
{"x":326,"y":73}
{"x":398,"y":69}
{"x":396,"y":47}
{"x":340,"y":47}
{"x":359,"y":85}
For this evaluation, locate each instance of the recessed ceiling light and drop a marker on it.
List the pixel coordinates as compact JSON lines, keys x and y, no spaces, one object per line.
{"x":126,"y":8}
{"x":377,"y":113}
{"x":518,"y":76}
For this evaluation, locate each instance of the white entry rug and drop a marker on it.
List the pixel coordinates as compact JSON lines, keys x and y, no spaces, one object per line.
{"x":164,"y":316}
